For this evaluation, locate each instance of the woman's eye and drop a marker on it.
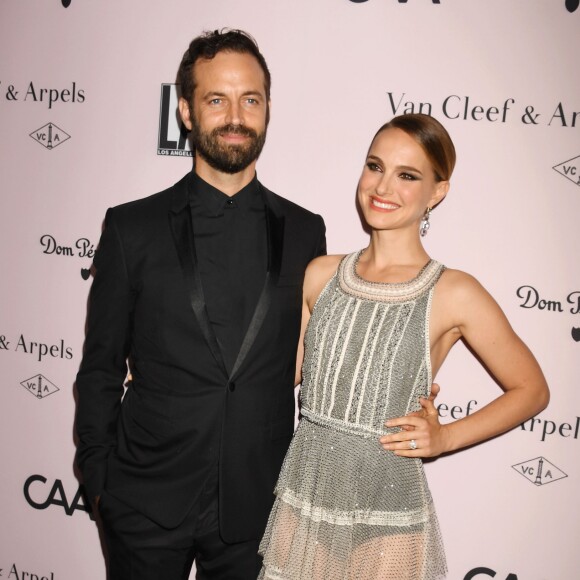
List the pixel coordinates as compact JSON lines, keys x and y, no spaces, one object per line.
{"x":408,"y":177}
{"x":373,"y":166}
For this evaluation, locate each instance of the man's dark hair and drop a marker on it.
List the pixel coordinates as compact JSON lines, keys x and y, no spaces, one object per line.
{"x":207,"y":45}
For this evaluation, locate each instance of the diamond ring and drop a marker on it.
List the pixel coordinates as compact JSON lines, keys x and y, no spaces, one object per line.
{"x":412,"y":444}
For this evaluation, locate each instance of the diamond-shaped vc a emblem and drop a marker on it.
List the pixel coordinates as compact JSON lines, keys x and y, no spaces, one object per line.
{"x":570,"y":169}
{"x":539,"y":471}
{"x":50,"y":136}
{"x":39,"y":386}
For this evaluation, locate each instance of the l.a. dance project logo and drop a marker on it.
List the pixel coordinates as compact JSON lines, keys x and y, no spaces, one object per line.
{"x":539,"y":471}
{"x":50,"y":136}
{"x":173,"y":134}
{"x":570,"y":169}
{"x":39,"y":386}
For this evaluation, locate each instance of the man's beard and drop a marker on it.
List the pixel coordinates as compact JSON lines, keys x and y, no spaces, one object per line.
{"x":227,"y":158}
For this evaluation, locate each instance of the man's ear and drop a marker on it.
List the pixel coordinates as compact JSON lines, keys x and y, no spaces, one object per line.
{"x":185,"y":112}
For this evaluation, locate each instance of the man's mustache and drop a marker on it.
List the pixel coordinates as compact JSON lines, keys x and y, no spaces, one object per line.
{"x":235,"y":130}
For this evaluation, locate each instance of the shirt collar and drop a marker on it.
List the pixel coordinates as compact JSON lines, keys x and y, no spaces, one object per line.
{"x":216,"y":201}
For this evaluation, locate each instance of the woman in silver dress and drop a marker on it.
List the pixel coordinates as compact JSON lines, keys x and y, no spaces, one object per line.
{"x":352,"y":500}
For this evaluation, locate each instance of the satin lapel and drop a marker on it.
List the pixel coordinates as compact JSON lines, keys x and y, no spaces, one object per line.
{"x":275,"y":227}
{"x":182,"y":229}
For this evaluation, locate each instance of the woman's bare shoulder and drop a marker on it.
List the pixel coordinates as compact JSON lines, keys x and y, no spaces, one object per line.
{"x":318,"y":273}
{"x":461,"y":293}
{"x":324,"y":265}
{"x":457,"y":283}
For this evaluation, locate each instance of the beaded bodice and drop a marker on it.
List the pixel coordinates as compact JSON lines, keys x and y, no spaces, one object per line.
{"x":367,"y":353}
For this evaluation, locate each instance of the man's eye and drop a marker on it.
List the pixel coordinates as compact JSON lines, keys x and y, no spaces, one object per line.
{"x":252,"y":101}
{"x":215,"y":101}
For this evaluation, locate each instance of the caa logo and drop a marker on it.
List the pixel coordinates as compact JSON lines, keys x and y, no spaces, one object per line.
{"x":482,"y":572}
{"x":35,"y":486}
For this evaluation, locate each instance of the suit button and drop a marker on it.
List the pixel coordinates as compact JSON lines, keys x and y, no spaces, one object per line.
{"x":232,"y":387}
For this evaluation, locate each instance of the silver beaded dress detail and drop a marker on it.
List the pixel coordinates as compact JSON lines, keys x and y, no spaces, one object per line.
{"x":346,"y":509}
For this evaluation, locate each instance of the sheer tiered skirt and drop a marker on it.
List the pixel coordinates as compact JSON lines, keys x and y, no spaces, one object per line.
{"x":346,"y":509}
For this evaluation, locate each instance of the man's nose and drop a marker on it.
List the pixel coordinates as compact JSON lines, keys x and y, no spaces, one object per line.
{"x":235,"y":114}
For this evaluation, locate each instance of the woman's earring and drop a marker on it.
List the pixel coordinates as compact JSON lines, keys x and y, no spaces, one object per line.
{"x":425,"y":223}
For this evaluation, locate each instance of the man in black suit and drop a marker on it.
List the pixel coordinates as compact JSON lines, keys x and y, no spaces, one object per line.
{"x":199,"y":287}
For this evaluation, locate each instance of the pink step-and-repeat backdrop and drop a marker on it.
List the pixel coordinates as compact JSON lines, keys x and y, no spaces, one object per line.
{"x":88,"y":120}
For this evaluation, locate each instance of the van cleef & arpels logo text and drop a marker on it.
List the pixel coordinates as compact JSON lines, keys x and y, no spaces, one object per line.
{"x":32,"y":93}
{"x":19,"y":573}
{"x":466,"y":108}
{"x":37,"y":349}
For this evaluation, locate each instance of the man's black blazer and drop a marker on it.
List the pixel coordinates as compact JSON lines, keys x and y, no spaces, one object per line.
{"x":153,"y":450}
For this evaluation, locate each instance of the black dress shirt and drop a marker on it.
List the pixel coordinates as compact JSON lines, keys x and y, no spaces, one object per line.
{"x":231,"y":247}
{"x":232,"y":251}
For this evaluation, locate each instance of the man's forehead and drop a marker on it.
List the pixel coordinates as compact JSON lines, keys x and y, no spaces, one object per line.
{"x":229,"y":59}
{"x":231,"y":68}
